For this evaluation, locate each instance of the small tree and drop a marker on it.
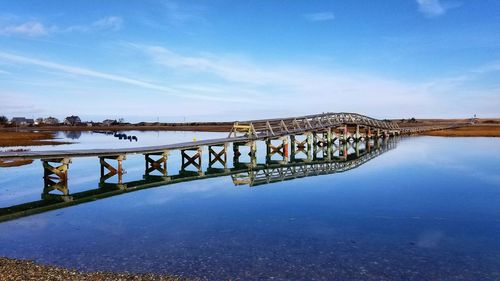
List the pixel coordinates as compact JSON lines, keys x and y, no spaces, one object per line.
{"x":3,"y":120}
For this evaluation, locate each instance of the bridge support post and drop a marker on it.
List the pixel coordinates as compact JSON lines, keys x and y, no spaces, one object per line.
{"x":323,"y":150}
{"x":329,"y":138}
{"x":194,"y":159}
{"x":159,"y":164}
{"x":217,"y":156}
{"x":56,"y":178}
{"x":112,"y":171}
{"x":357,"y":137}
{"x":304,"y":146}
{"x":281,"y":149}
{"x":321,"y":138}
{"x":343,"y":151}
{"x":344,"y":134}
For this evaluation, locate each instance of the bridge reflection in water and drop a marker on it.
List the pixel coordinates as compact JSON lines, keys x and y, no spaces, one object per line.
{"x":312,"y":156}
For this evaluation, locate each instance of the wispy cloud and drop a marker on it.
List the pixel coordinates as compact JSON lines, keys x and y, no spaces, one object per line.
{"x":82,"y":71}
{"x":198,"y":95}
{"x":232,"y":69}
{"x":30,"y":28}
{"x":178,"y":14}
{"x":315,"y":87}
{"x":4,"y":72}
{"x":38,"y":29}
{"x":113,"y":23}
{"x":434,"y":8}
{"x":316,"y":17}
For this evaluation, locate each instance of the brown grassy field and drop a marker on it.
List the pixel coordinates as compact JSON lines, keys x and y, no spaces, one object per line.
{"x":14,"y":162}
{"x":482,"y":127}
{"x":469,"y":131}
{"x":11,"y":138}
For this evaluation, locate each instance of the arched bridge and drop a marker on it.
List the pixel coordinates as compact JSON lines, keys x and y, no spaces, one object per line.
{"x":318,"y":122}
{"x":283,"y":136}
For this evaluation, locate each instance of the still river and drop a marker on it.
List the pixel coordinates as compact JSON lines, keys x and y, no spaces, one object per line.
{"x":427,"y":208}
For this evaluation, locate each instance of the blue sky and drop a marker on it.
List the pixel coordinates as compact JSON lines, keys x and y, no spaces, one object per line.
{"x":226,"y":60}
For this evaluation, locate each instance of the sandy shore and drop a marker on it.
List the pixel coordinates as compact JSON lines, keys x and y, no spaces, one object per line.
{"x":21,"y":270}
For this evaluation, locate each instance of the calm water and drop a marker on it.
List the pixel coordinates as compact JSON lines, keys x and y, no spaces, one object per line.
{"x":428,"y":209}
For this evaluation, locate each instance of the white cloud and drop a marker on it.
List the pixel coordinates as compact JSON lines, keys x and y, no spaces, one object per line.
{"x":112,"y":23}
{"x":178,"y":14}
{"x":316,"y":17}
{"x":82,"y":71}
{"x":117,"y":78}
{"x":30,"y":28}
{"x":320,"y":89}
{"x":434,"y":8}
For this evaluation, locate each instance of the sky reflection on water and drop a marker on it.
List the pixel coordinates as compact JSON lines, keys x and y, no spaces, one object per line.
{"x":427,"y":210}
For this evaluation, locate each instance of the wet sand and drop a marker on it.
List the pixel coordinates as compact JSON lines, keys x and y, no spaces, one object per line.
{"x":20,"y":270}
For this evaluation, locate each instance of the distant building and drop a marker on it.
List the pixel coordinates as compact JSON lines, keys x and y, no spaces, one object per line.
{"x":22,"y":121}
{"x":51,"y":121}
{"x":72,"y":120}
{"x":109,"y":122}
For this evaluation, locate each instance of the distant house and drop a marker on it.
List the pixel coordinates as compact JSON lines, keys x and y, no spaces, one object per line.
{"x":22,"y":121}
{"x":51,"y":121}
{"x":72,"y":120}
{"x":109,"y":122}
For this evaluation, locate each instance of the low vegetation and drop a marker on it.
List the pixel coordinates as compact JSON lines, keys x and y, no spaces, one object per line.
{"x":12,"y":138}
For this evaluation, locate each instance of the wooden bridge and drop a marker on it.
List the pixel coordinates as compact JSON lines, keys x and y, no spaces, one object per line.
{"x":314,"y":160}
{"x":304,"y":134}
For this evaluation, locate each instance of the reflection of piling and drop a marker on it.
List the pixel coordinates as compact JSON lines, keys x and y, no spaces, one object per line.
{"x":194,"y":159}
{"x":215,"y":156}
{"x":299,"y":147}
{"x":159,"y":164}
{"x":55,"y":177}
{"x":108,"y":171}
{"x":280,"y":149}
{"x":252,"y":153}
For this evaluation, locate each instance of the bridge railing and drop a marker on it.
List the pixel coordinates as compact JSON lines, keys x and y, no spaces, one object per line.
{"x":294,"y":125}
